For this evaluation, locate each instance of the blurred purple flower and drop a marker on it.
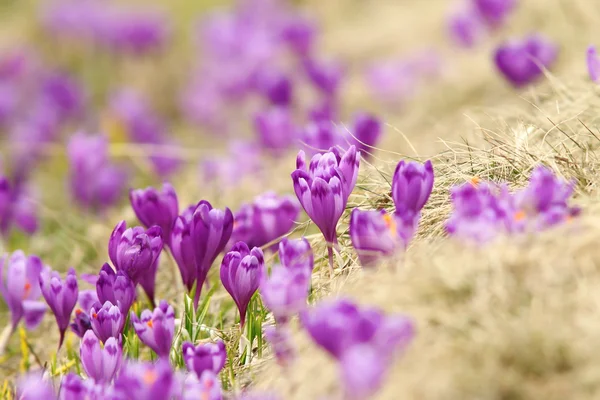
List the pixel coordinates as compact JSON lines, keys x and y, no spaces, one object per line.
{"x":145,"y":380}
{"x":392,"y":82}
{"x":495,"y":12}
{"x":267,"y":218}
{"x":155,"y":328}
{"x":280,"y":340}
{"x":33,"y":386}
{"x":275,"y":129}
{"x":285,"y":292}
{"x":116,"y":288}
{"x":154,"y":207}
{"x":325,"y":75}
{"x":320,"y":135}
{"x":374,"y":235}
{"x":17,"y":208}
{"x":20,"y":288}
{"x":275,"y":86}
{"x":208,"y":387}
{"x":326,"y":110}
{"x":182,"y":247}
{"x":81,"y":323}
{"x":100,"y":363}
{"x":522,"y":61}
{"x":107,"y":321}
{"x":136,"y":32}
{"x":324,"y":188}
{"x":593,"y":64}
{"x":64,"y":94}
{"x":365,"y":133}
{"x":299,"y":33}
{"x":204,"y":357}
{"x":363,"y":370}
{"x":241,"y":271}
{"x":86,"y":299}
{"x":61,"y":296}
{"x":296,"y":254}
{"x":466,"y":27}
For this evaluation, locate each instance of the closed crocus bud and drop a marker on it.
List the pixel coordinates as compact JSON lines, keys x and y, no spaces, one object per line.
{"x":146,"y":380}
{"x":373,"y":234}
{"x":324,"y":188}
{"x":212,"y":229}
{"x":366,"y":131}
{"x":115,"y":288}
{"x":275,"y":129}
{"x":182,"y":247}
{"x":107,"y":321}
{"x":208,"y":387}
{"x":285,"y":292}
{"x":204,"y":357}
{"x":269,"y":217}
{"x":60,"y":295}
{"x":411,"y":186}
{"x":296,"y":254}
{"x":494,"y":12}
{"x":153,"y":207}
{"x":522,"y":61}
{"x":135,"y":251}
{"x":20,"y":287}
{"x":241,"y":271}
{"x":593,"y":64}
{"x":33,"y":386}
{"x":100,"y":363}
{"x":155,"y":328}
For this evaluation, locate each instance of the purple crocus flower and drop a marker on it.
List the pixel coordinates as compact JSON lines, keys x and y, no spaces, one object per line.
{"x":115,"y":288}
{"x":280,"y":340}
{"x":20,"y":287}
{"x":363,"y":370}
{"x":182,"y":247}
{"x":268,"y":217}
{"x":60,"y":295}
{"x":275,"y":86}
{"x":135,"y":251}
{"x":135,"y":32}
{"x":275,"y":129}
{"x":63,"y":94}
{"x":374,"y":234}
{"x":495,"y":12}
{"x":411,"y":187}
{"x":81,"y":323}
{"x":285,"y":292}
{"x":366,"y":131}
{"x":320,"y":135}
{"x":211,"y":229}
{"x":72,"y":387}
{"x":100,"y":363}
{"x":86,"y":299}
{"x":299,"y":34}
{"x":107,"y":321}
{"x":153,"y":207}
{"x":208,"y":387}
{"x":296,"y":254}
{"x":204,"y":357}
{"x":593,"y":64}
{"x":155,"y":328}
{"x":324,"y":188}
{"x":466,"y":27}
{"x":392,"y":82}
{"x":522,"y":61}
{"x":151,"y":381}
{"x":241,"y":270}
{"x":33,"y":386}
{"x":325,"y":75}
{"x":16,"y":208}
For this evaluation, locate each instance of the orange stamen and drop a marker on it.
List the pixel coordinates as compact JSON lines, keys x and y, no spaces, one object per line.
{"x":149,"y":323}
{"x":94,"y":315}
{"x":475,"y":180}
{"x":27,"y":288}
{"x":149,"y":377}
{"x":78,"y":311}
{"x":390,"y":223}
{"x":520,"y":215}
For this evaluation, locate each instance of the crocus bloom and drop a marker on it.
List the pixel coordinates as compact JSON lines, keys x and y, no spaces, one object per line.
{"x":135,"y":251}
{"x":299,"y":34}
{"x":320,"y":135}
{"x":151,"y":381}
{"x":411,"y":187}
{"x":100,"y":363}
{"x":63,"y":94}
{"x":276,"y":87}
{"x":212,"y":229}
{"x":373,"y":234}
{"x":392,"y":82}
{"x":17,"y":208}
{"x":296,"y":254}
{"x":81,"y":323}
{"x":134,"y":32}
{"x":266,"y":219}
{"x":466,"y":27}
{"x":324,"y":188}
{"x":362,"y":372}
{"x":522,"y":61}
{"x":285,"y":292}
{"x":34,"y":387}
{"x":107,"y":321}
{"x":208,"y":387}
{"x":325,"y":75}
{"x":182,"y":247}
{"x":494,"y":12}
{"x":153,"y":207}
{"x":72,"y":387}
{"x":155,"y":328}
{"x":20,"y":287}
{"x":366,"y":131}
{"x":593,"y":63}
{"x":339,"y":325}
{"x":204,"y":357}
{"x":275,"y":129}
{"x":241,"y":270}
{"x":60,"y":295}
{"x":115,"y":288}
{"x":86,"y":299}
{"x":280,"y":340}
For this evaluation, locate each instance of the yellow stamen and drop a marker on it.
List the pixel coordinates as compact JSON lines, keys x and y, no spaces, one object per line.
{"x":391,"y":224}
{"x":475,"y":181}
{"x":149,"y":377}
{"x":149,"y":323}
{"x":520,"y":215}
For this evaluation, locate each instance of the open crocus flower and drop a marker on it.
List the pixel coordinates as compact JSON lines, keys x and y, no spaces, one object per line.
{"x":100,"y":363}
{"x":60,"y":295}
{"x":107,"y":321}
{"x":323,"y":189}
{"x":268,"y":217}
{"x":522,"y":61}
{"x":116,"y":288}
{"x":135,"y":252}
{"x":593,"y":64}
{"x":153,"y":207}
{"x":20,"y":287}
{"x":241,"y":271}
{"x":155,"y":328}
{"x":204,"y":357}
{"x":211,"y":229}
{"x":373,"y":234}
{"x":411,"y":187}
{"x":149,"y":381}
